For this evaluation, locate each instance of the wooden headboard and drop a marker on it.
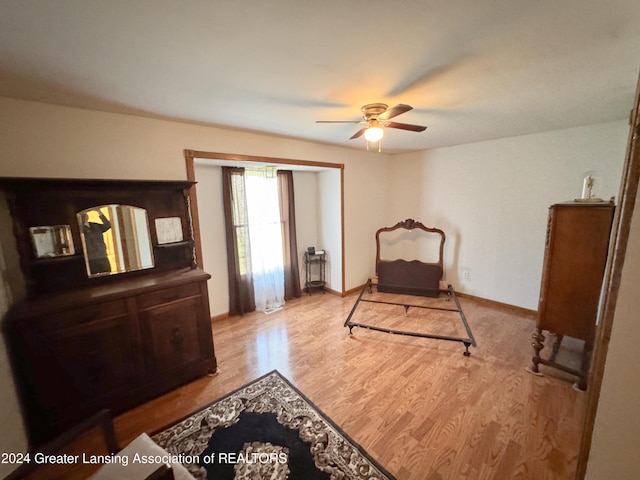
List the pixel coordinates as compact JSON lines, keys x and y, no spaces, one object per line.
{"x":410,"y":277}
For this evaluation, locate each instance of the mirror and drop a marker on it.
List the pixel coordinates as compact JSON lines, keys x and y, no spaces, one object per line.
{"x":115,"y":239}
{"x":52,"y":241}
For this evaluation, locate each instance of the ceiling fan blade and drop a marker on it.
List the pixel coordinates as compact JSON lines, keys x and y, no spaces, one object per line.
{"x":358,"y":133}
{"x":395,"y":111}
{"x":339,"y":121}
{"x":405,"y":126}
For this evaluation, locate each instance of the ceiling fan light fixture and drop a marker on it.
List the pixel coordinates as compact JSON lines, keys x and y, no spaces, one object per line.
{"x":373,"y":134}
{"x":374,"y":117}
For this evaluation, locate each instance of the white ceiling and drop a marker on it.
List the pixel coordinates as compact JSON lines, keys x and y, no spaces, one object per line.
{"x":473,"y":70}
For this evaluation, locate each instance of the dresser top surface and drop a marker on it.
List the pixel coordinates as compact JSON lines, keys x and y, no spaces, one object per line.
{"x":108,"y":292}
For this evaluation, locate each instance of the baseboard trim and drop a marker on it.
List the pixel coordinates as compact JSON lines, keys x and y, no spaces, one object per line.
{"x":504,"y":306}
{"x":353,"y":290}
{"x":219,"y":318}
{"x":334,"y":292}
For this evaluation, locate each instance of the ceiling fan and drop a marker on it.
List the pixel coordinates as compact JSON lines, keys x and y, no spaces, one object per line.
{"x":375,"y":117}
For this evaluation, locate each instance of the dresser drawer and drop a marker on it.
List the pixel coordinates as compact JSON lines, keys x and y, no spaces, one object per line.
{"x":69,"y":318}
{"x":168,"y":295}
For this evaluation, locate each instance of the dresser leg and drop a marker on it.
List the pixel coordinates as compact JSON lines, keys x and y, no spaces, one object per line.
{"x":537,"y":344}
{"x":586,"y":362}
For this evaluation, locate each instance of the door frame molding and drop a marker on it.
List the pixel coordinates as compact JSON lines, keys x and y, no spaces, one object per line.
{"x":191,"y":155}
{"x":617,"y":251}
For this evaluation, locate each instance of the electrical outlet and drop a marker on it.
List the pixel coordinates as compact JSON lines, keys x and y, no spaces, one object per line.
{"x":466,"y":274}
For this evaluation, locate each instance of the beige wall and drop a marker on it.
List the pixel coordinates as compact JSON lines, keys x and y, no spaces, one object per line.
{"x":330,"y":228}
{"x":307,"y":196}
{"x":212,"y":235}
{"x":491,"y":199}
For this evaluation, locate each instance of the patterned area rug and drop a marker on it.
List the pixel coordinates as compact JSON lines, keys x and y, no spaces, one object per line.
{"x":267,"y":430}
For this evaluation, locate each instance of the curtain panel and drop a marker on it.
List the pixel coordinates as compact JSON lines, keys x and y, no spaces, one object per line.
{"x":289,"y":241}
{"x":241,"y":297}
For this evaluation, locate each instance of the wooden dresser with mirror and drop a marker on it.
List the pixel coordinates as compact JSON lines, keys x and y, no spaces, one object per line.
{"x":112,"y":317}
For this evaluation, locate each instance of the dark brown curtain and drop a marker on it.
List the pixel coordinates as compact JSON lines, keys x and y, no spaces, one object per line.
{"x":241,"y":298}
{"x":289,"y":241}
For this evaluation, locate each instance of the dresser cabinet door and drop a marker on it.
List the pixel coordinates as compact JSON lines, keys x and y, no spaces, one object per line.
{"x":76,"y":362}
{"x":170,"y":335}
{"x":91,"y":360}
{"x":174,"y":334}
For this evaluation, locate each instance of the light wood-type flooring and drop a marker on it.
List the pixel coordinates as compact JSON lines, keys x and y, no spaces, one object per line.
{"x":418,"y":406}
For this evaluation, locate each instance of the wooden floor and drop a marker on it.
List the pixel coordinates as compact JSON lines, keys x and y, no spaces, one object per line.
{"x":418,"y":406}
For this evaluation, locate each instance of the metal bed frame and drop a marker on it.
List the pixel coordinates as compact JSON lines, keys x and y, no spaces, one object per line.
{"x":412,"y":287}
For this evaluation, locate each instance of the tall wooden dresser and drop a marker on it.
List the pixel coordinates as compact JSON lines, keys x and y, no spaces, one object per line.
{"x":576,"y":250}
